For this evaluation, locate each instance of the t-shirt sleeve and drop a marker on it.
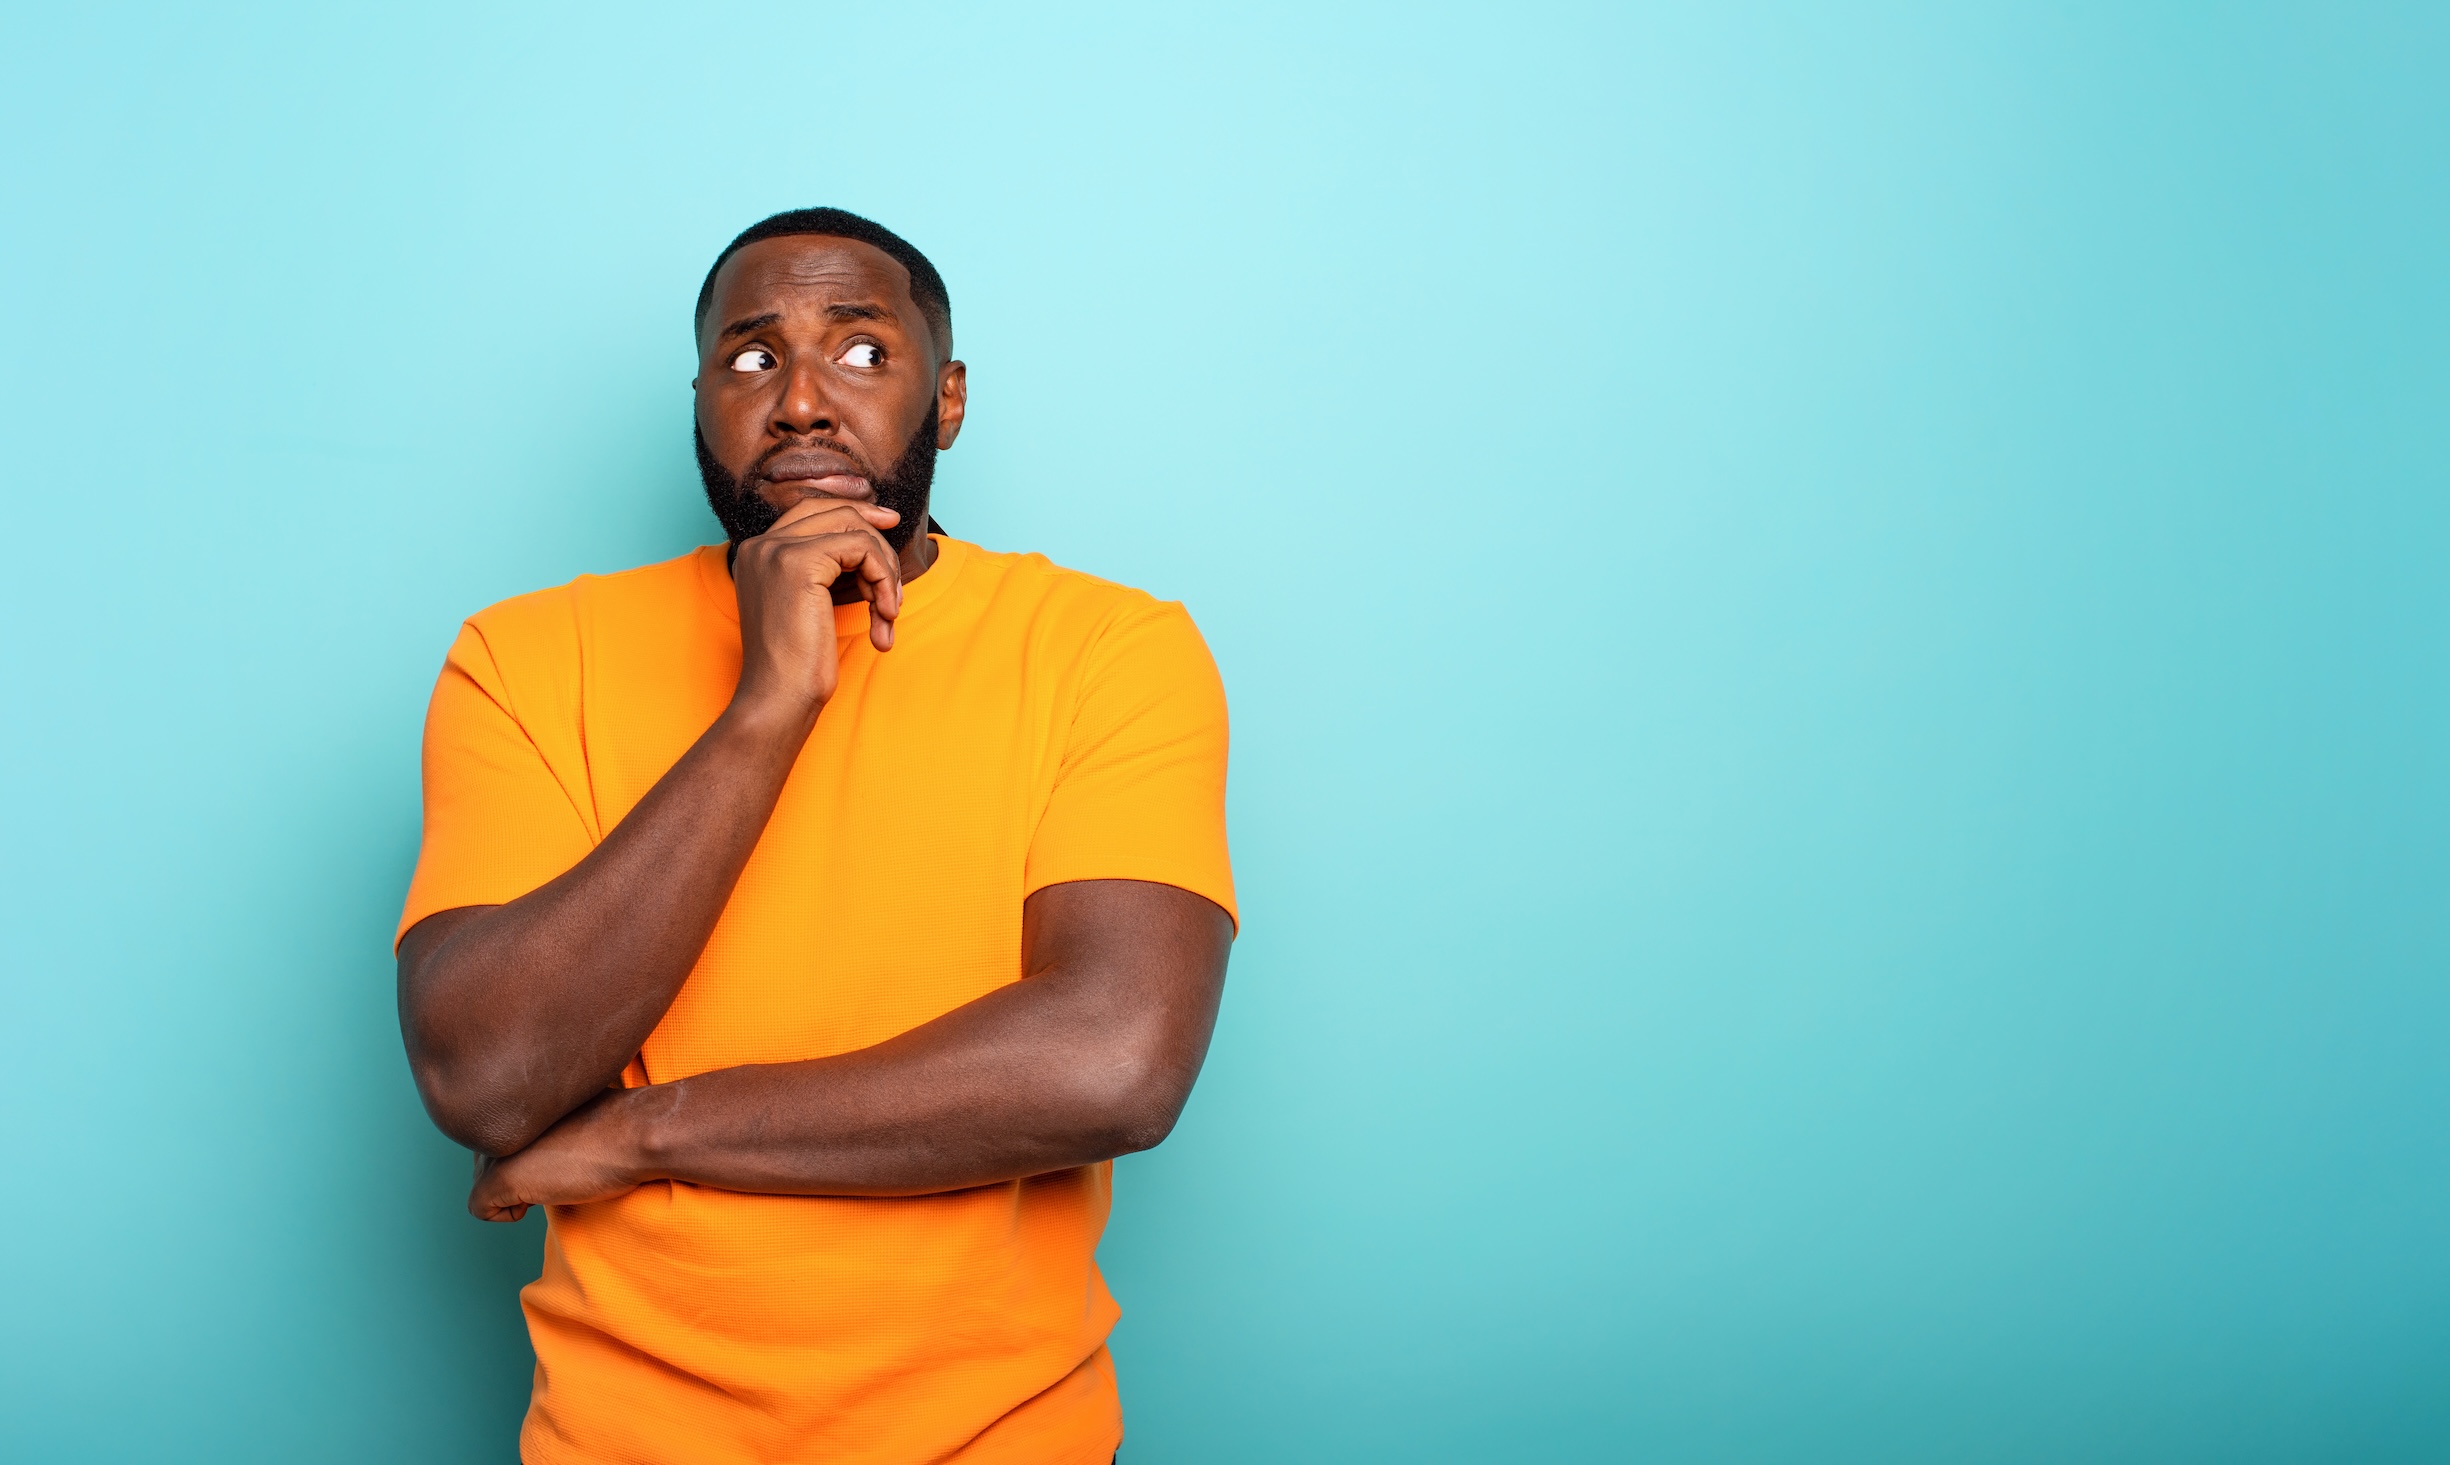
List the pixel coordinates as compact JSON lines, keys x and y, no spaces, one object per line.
{"x":498,"y":821}
{"x":1140,"y":791}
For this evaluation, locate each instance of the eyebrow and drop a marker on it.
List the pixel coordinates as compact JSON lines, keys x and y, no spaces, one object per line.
{"x":750,"y":323}
{"x":848,"y":310}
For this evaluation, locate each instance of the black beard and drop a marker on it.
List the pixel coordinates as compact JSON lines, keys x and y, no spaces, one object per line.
{"x":744,"y":514}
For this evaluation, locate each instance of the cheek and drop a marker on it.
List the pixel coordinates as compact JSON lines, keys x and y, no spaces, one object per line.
{"x":723,"y":437}
{"x":728,"y":420}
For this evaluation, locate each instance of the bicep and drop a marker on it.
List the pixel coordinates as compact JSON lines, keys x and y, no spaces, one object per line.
{"x":1145,"y":958}
{"x":417,"y":966}
{"x":420,"y":941}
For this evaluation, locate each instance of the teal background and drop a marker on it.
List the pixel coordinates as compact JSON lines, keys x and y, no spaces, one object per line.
{"x":1835,"y":620}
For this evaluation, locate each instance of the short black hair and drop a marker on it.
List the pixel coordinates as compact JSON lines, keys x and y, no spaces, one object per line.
{"x":926,"y":286}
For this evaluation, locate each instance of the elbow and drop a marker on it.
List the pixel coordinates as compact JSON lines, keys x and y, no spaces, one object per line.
{"x":472,"y":1112}
{"x":1145,"y":1129}
{"x":1136,"y":1103}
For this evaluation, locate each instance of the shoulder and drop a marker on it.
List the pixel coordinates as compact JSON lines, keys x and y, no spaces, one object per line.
{"x":1081,"y":607}
{"x":1102,"y":639}
{"x":545,"y":627}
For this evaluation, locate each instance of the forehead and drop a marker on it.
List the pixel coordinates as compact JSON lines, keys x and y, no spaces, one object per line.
{"x":807,"y":272}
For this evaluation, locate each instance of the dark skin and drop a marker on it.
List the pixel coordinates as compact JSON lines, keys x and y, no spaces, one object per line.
{"x":815,"y":367}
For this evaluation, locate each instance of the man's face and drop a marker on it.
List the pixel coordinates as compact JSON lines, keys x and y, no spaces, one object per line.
{"x":818,"y":376}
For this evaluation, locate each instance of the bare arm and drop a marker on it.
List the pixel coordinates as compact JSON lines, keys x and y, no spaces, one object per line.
{"x":1090,"y":1056}
{"x":517,"y":1014}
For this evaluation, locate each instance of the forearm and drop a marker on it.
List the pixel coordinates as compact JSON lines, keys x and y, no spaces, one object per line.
{"x":1090,"y":1056}
{"x":516,"y":1014}
{"x":1042,"y":1075}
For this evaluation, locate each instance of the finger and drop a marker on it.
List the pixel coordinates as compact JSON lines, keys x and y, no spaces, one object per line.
{"x":866,"y":555}
{"x":492,"y":1203}
{"x":822,"y":501}
{"x":881,"y":584}
{"x":819,"y":512}
{"x":832,"y":519}
{"x":880,"y":622}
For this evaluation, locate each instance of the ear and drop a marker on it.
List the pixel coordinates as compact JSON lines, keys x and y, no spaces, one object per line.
{"x":952,"y":400}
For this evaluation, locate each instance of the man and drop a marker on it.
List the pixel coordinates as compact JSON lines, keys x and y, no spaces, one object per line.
{"x":807,"y":921}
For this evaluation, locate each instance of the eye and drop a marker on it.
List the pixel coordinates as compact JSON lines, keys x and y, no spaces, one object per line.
{"x":756,"y":358}
{"x":862,"y":353}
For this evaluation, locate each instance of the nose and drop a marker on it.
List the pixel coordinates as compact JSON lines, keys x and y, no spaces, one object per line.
{"x":802,"y":408}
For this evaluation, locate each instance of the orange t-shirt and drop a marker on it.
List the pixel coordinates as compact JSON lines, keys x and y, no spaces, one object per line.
{"x":1031,"y":726}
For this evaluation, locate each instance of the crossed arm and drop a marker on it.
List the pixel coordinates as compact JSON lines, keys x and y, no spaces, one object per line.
{"x":520,"y":1017}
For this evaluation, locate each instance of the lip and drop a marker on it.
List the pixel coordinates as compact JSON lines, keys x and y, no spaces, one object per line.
{"x":806,"y":471}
